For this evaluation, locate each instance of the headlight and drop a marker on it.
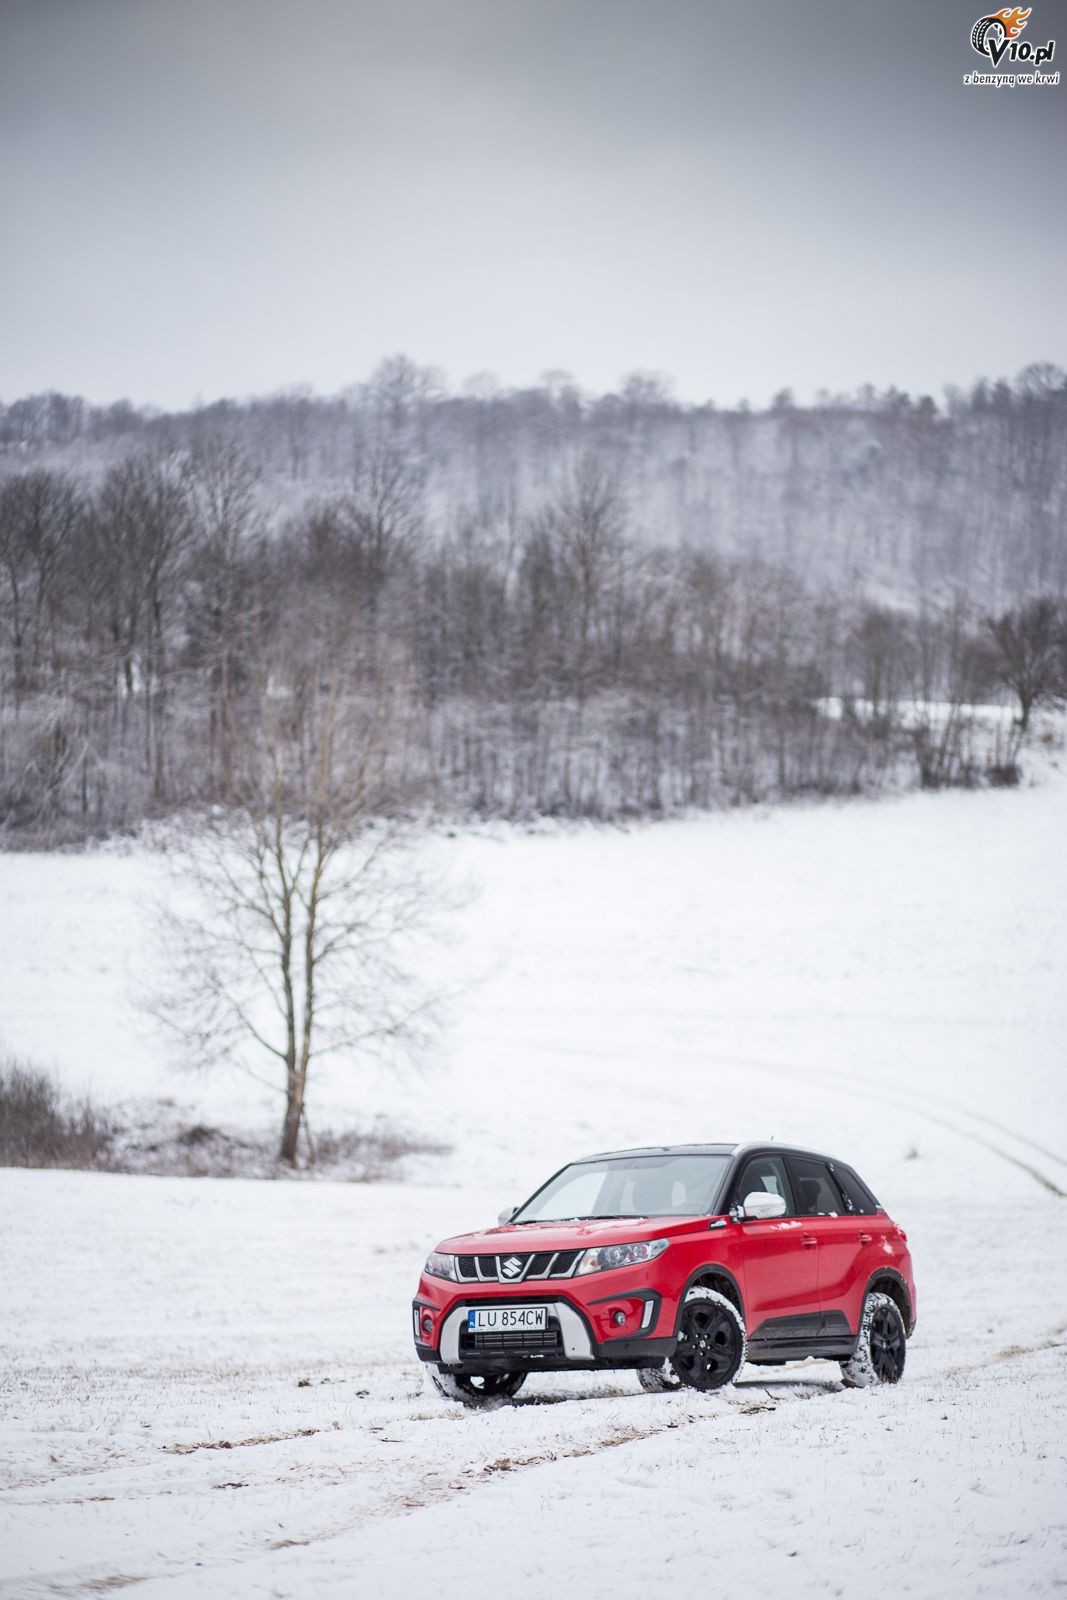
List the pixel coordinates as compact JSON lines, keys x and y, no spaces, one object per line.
{"x":440,"y":1266}
{"x":608,"y":1256}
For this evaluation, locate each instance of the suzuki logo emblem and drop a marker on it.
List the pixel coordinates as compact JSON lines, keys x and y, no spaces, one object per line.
{"x":512,"y":1267}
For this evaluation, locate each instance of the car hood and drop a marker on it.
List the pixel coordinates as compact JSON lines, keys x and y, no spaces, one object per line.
{"x":568,"y":1235}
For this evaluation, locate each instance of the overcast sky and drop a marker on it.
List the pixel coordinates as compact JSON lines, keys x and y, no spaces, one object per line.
{"x":207,"y":197}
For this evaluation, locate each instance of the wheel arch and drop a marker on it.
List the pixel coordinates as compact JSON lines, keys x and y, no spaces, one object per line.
{"x":712,"y":1276}
{"x":888,"y":1281}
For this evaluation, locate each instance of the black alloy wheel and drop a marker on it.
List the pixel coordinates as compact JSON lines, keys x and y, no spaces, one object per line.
{"x":711,"y":1341}
{"x":881,"y":1344}
{"x":887,"y":1344}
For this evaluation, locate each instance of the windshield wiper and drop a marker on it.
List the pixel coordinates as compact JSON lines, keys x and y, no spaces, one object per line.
{"x":605,"y":1216}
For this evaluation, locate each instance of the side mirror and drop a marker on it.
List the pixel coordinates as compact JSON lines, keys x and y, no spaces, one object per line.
{"x":506,"y":1215}
{"x":759,"y":1206}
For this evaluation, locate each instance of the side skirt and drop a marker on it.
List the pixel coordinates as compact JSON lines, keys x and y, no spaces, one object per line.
{"x":762,"y":1353}
{"x":825,"y":1335}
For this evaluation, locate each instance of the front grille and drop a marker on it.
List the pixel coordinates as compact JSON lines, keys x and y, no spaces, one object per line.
{"x":511,"y":1339}
{"x":541,"y":1264}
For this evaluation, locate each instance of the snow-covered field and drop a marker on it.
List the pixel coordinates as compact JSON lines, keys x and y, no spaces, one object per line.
{"x":208,"y":1387}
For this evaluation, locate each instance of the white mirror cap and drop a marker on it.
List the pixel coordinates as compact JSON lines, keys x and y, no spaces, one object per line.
{"x":759,"y":1204}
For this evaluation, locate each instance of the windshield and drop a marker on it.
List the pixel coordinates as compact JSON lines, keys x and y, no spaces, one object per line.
{"x":629,"y":1186}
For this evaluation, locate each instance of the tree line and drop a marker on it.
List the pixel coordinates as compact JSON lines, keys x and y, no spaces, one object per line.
{"x":922,"y":499}
{"x":552,"y":660}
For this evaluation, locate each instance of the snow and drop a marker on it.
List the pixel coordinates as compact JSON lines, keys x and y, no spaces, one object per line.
{"x":208,"y":1387}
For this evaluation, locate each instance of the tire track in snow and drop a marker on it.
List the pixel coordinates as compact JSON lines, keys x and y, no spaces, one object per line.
{"x":1001,"y":1127}
{"x":846,"y":1081}
{"x":470,"y":1477}
{"x":950,"y":1105}
{"x":915,"y":1106}
{"x":1053,"y":1341}
{"x":463,"y":1478}
{"x":775,"y":1390}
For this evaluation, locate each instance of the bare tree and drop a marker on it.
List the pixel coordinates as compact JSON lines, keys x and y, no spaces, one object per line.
{"x":39,"y":514}
{"x":1031,"y":650}
{"x":382,"y":519}
{"x":141,"y":530}
{"x":306,"y":895}
{"x":586,"y":523}
{"x":228,"y":524}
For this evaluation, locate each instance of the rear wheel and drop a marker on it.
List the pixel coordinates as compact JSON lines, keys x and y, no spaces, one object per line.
{"x":477,"y":1388}
{"x":711,"y":1341}
{"x":880,"y":1348}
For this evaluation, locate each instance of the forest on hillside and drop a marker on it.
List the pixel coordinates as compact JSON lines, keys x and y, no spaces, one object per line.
{"x":535,"y":602}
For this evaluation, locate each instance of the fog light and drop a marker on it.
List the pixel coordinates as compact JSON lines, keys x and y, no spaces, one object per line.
{"x":427,"y":1325}
{"x":618,"y":1318}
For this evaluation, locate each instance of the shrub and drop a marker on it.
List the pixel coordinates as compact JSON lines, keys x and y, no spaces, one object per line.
{"x":370,"y":1157}
{"x":40,"y":1126}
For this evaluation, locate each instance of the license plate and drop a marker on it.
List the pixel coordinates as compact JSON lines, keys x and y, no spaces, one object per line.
{"x":498,"y":1319}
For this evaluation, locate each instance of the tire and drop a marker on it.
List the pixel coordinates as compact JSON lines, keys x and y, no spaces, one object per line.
{"x":711,"y":1341}
{"x":477,"y":1388}
{"x":979,"y":31}
{"x":881,"y":1347}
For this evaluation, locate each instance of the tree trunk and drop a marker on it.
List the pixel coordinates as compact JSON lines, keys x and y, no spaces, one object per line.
{"x":295,"y":1072}
{"x":294,"y":1110}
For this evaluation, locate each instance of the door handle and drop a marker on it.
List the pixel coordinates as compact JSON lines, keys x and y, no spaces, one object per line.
{"x":808,"y":1242}
{"x":865,"y":1238}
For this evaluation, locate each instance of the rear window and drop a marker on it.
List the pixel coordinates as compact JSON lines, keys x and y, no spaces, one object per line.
{"x":814,"y":1189}
{"x":858,"y":1197}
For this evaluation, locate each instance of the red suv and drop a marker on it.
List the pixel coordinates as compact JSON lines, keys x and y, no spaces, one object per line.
{"x":681,"y":1262}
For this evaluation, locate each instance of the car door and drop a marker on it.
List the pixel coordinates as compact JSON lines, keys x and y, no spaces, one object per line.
{"x":846,"y":1241}
{"x":779,"y":1255}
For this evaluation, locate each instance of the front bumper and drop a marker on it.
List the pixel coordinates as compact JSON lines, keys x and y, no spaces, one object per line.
{"x":579,"y":1337}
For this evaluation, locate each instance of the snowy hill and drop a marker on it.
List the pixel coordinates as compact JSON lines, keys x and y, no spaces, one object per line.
{"x":209,"y":1387}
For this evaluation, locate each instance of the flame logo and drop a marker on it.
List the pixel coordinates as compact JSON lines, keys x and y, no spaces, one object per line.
{"x":1014,"y":21}
{"x":992,"y":35}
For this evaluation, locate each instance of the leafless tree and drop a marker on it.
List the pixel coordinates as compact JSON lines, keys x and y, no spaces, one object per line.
{"x":1031,"y":646}
{"x":382,"y":519}
{"x":304,"y":897}
{"x":141,"y":530}
{"x":228,"y":520}
{"x":39,"y":514}
{"x":586,"y":522}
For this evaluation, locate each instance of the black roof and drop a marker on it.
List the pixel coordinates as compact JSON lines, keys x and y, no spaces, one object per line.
{"x":720,"y":1149}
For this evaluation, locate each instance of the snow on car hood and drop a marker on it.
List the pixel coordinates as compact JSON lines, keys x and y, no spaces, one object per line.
{"x":568,"y":1235}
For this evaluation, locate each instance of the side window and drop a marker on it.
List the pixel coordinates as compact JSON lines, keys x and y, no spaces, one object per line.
{"x":858,"y":1197}
{"x":817,"y":1193}
{"x":765,"y":1174}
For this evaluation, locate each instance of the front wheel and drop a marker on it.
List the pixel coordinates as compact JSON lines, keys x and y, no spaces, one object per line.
{"x":711,"y":1341}
{"x":880,"y":1347}
{"x":477,"y":1388}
